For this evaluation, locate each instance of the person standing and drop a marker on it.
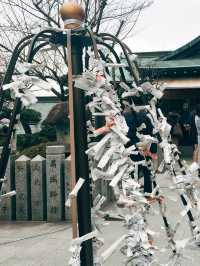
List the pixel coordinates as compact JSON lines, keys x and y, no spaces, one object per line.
{"x":135,"y":120}
{"x":185,"y":122}
{"x":196,"y":136}
{"x":176,"y":130}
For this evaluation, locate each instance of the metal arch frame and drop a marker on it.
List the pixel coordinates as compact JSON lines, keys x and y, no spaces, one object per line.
{"x":96,"y":40}
{"x":93,"y":37}
{"x":35,"y":39}
{"x":12,"y":63}
{"x":33,"y":52}
{"x":104,"y":58}
{"x":135,"y":63}
{"x":17,"y":105}
{"x":33,"y":49}
{"x":36,"y":49}
{"x":112,"y":74}
{"x":116,"y":58}
{"x":28,"y":40}
{"x":7,"y":78}
{"x":107,"y":36}
{"x":14,"y":57}
{"x":85,"y":220}
{"x":124,"y":49}
{"x":116,"y":40}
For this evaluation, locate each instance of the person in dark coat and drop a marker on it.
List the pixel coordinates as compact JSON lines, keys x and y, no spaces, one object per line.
{"x":195,"y":127}
{"x":185,"y":122}
{"x":134,"y":120}
{"x":176,"y":130}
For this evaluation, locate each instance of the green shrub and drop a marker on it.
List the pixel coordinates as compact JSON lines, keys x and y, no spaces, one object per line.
{"x":39,"y":149}
{"x":30,"y":116}
{"x":45,"y":135}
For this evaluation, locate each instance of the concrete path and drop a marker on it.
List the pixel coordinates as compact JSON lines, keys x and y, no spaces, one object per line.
{"x":46,"y":244}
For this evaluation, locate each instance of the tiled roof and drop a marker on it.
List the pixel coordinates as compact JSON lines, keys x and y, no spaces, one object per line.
{"x":186,"y":50}
{"x":170,"y":64}
{"x":185,"y":57}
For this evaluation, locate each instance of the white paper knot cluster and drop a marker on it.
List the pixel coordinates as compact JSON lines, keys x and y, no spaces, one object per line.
{"x":22,"y":83}
{"x":109,"y":159}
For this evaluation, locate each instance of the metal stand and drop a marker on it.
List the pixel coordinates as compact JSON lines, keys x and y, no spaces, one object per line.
{"x":82,"y":168}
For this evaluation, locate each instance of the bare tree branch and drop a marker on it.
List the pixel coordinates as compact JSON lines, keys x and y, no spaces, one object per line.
{"x":20,"y":18}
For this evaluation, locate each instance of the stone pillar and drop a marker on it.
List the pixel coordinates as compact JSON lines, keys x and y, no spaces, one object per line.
{"x":67,"y":186}
{"x":55,"y":183}
{"x":38,"y":189}
{"x":23,"y":188}
{"x":7,"y":205}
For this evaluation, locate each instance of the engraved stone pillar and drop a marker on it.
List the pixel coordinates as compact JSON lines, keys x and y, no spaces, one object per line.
{"x":55,"y":183}
{"x":7,"y":205}
{"x":38,"y":188}
{"x":67,"y":186}
{"x":23,"y":188}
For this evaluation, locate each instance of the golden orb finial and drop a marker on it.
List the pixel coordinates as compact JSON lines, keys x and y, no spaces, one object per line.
{"x":72,"y":15}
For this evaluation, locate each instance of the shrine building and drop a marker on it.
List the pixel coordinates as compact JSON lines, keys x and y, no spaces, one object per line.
{"x":180,"y":69}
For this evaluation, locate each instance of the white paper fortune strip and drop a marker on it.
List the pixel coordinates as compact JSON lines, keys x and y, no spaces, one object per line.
{"x":129,"y":94}
{"x":100,"y":203}
{"x":79,"y":240}
{"x":24,"y":67}
{"x":106,"y":157}
{"x":75,"y":258}
{"x":99,"y":145}
{"x":8,"y":195}
{"x":113,"y":168}
{"x":77,"y":187}
{"x":193,"y":167}
{"x":117,"y":178}
{"x":110,"y":103}
{"x":120,"y":134}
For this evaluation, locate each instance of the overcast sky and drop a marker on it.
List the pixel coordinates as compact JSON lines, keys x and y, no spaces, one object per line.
{"x":166,"y":25}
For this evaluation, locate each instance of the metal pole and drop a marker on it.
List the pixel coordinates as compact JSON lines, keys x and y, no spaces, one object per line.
{"x":6,"y":147}
{"x":82,"y":168}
